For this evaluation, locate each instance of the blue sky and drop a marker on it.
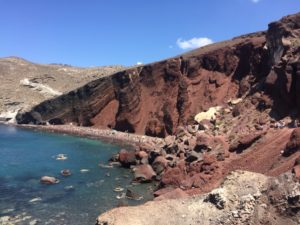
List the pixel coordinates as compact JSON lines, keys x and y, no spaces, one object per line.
{"x":106,"y":32}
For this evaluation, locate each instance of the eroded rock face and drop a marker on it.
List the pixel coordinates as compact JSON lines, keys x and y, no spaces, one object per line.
{"x":157,"y":98}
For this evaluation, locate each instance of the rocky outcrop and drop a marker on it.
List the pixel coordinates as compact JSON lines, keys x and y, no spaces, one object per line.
{"x":155,"y":99}
{"x":243,"y":198}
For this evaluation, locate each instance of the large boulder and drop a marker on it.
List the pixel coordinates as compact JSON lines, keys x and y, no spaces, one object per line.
{"x":202,"y":142}
{"x":144,"y":173}
{"x":244,"y":142}
{"x":176,"y":177}
{"x":159,"y":164}
{"x":294,"y":143}
{"x":127,"y":158}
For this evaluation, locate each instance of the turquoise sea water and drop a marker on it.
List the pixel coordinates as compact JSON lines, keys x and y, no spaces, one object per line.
{"x":27,"y":155}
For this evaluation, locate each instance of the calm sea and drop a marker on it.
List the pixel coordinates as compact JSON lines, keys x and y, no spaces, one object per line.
{"x":27,"y":155}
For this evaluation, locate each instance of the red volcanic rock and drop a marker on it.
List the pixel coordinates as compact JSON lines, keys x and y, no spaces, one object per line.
{"x":144,"y":173}
{"x":244,"y":142}
{"x":296,"y":171}
{"x":294,"y":143}
{"x":142,"y":154}
{"x":127,"y":158}
{"x":202,"y":142}
{"x":174,"y":177}
{"x":237,"y":110}
{"x":173,"y":194}
{"x":159,"y":164}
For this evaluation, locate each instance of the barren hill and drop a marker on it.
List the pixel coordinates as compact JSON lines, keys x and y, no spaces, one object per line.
{"x":25,"y":84}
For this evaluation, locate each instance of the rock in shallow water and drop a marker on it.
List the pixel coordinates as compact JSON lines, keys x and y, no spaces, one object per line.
{"x":144,"y":173}
{"x":49,"y":180}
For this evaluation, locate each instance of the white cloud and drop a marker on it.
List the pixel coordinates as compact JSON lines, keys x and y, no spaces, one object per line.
{"x":139,"y":63}
{"x":193,"y":43}
{"x":255,"y":1}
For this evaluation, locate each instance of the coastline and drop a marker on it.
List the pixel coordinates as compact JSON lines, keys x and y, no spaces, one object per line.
{"x":106,"y":135}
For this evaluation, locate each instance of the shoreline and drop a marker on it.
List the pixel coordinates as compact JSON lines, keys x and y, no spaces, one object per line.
{"x":106,"y":135}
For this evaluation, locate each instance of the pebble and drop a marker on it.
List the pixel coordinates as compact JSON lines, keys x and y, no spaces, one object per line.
{"x":84,"y":170}
{"x":35,"y":200}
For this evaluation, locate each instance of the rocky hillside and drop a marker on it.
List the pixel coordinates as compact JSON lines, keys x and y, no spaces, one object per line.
{"x":25,"y":84}
{"x":155,"y":99}
{"x":243,"y":198}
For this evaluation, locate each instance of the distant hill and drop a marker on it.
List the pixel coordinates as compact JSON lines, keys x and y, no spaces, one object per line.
{"x":25,"y":84}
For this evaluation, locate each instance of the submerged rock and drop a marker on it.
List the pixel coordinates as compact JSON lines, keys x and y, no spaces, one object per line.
{"x":65,"y":172}
{"x":49,"y":180}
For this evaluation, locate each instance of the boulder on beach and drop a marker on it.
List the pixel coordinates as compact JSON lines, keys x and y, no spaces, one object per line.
{"x":49,"y":180}
{"x":127,"y":158}
{"x":159,"y":164}
{"x":144,"y":173}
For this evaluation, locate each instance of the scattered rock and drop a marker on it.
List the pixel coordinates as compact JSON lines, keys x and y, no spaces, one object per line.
{"x":127,"y":158}
{"x":144,"y":173}
{"x":193,"y":156}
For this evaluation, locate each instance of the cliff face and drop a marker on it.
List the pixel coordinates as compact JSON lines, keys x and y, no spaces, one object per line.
{"x":155,"y":99}
{"x":25,"y":84}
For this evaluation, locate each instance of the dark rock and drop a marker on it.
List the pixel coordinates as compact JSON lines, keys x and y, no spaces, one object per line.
{"x":56,"y":121}
{"x":215,"y":199}
{"x":159,"y":164}
{"x":152,"y":156}
{"x":244,"y":142}
{"x":132,"y":195}
{"x":202,"y":143}
{"x":192,"y":156}
{"x":237,"y":110}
